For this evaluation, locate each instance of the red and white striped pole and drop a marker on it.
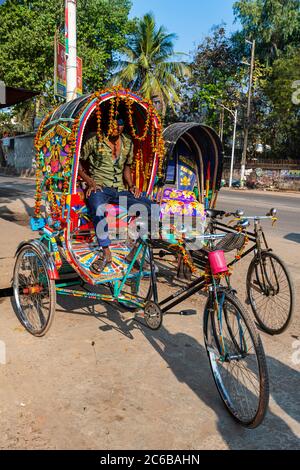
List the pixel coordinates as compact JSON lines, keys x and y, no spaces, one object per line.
{"x":71,"y":48}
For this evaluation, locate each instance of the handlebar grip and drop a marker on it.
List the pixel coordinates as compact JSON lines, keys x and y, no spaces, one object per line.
{"x":272,"y":212}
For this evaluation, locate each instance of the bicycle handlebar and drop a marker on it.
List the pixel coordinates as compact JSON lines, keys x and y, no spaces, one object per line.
{"x":239,"y":214}
{"x":272,"y":214}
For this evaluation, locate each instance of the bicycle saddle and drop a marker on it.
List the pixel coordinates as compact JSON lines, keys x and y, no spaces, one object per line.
{"x":213,"y":213}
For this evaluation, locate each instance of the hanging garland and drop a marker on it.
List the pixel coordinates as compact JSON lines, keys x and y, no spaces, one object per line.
{"x":150,"y":131}
{"x":55,"y":210}
{"x":156,"y":137}
{"x":142,"y":137}
{"x":99,"y":121}
{"x":38,"y":146}
{"x":112,"y":126}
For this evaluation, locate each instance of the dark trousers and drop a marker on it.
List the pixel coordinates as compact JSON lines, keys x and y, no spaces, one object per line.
{"x":97,"y":202}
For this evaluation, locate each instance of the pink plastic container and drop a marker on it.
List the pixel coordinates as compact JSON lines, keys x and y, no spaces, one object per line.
{"x":217,"y":262}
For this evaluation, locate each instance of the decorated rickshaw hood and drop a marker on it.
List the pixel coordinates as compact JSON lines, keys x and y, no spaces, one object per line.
{"x":206,"y":150}
{"x":61,"y":134}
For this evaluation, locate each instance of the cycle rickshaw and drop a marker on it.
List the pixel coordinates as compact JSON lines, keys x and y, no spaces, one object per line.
{"x":193,"y":162}
{"x":58,"y":262}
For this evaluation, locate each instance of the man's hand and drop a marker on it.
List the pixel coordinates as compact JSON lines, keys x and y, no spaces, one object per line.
{"x":136,"y":192}
{"x":92,"y":186}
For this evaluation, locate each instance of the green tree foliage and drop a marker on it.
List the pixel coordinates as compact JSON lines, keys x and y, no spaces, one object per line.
{"x":150,"y":66}
{"x":5,"y":124}
{"x":274,"y":24}
{"x":103,"y":27}
{"x":219,"y":76}
{"x":283,"y":119}
{"x":285,"y":72}
{"x":27,"y":31}
{"x":216,"y":76}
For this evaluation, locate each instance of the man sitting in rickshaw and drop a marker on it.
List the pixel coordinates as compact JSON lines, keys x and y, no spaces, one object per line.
{"x":106,"y":169}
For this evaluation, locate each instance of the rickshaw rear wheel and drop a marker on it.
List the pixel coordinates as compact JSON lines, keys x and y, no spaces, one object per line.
{"x":34,"y":291}
{"x":271,"y":293}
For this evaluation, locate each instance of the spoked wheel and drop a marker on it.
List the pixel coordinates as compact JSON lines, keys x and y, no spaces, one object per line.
{"x":237,"y":359}
{"x":270,"y":293}
{"x":34,"y":292}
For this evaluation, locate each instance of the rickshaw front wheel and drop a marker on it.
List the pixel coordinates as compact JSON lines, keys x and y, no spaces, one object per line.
{"x":34,"y":291}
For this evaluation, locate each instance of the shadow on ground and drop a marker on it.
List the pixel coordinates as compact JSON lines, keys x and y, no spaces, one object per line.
{"x":20,"y":218}
{"x":187,"y":359}
{"x":293,"y":237}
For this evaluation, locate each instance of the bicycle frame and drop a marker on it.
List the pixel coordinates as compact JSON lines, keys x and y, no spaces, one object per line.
{"x":257,"y":237}
{"x":260,"y":246}
{"x":118,"y":284}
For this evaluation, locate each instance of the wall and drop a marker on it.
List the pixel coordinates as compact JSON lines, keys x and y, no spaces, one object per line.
{"x":20,"y":154}
{"x":286,"y":179}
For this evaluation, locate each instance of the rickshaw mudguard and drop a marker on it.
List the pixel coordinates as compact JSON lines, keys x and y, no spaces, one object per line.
{"x":44,"y":254}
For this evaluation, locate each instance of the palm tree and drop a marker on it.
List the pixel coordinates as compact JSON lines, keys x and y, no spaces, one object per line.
{"x":149,"y":66}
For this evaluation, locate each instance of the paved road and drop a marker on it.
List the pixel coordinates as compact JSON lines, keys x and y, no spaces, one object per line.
{"x":98,"y":377}
{"x":253,"y":203}
{"x":259,"y":203}
{"x":11,"y":186}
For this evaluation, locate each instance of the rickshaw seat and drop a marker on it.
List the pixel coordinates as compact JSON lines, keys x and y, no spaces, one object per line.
{"x":81,"y":221}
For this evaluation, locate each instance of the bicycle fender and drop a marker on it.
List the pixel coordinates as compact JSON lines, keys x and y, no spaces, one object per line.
{"x":46,"y":257}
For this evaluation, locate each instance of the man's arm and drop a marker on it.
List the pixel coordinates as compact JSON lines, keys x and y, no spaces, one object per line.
{"x":84,"y":175}
{"x":92,"y":186}
{"x":128,"y":179}
{"x":128,"y":176}
{"x":127,"y":173}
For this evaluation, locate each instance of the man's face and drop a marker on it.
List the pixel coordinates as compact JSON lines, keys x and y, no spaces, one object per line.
{"x":118,"y":129}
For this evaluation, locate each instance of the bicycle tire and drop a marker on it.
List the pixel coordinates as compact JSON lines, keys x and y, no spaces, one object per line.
{"x":213,"y":349}
{"x":49,"y":284}
{"x":254,"y":284}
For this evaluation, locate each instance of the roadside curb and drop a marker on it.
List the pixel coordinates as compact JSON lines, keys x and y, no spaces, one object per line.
{"x":258,"y":191}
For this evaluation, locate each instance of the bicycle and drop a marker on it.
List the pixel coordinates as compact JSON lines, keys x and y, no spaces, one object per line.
{"x":270,"y":290}
{"x":232,"y":342}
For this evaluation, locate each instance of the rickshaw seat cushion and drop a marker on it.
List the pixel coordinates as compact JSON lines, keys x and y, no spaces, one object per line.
{"x":177,"y":202}
{"x":192,"y":209}
{"x":178,"y":195}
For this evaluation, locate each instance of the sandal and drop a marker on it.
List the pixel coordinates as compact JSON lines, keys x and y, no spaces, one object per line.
{"x":98,"y":266}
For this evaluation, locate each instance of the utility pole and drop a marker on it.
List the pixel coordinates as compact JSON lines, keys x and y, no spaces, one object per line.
{"x":71,"y":48}
{"x":234,"y":114}
{"x":233,"y":148}
{"x":247,"y":123}
{"x":221,"y":131}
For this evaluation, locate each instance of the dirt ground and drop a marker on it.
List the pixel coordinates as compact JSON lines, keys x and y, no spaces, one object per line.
{"x":100,"y":380}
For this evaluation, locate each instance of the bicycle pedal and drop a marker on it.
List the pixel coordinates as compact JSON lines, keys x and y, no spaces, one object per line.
{"x":187,"y":313}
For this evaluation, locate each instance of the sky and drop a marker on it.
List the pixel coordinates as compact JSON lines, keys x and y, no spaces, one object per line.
{"x":191,"y":20}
